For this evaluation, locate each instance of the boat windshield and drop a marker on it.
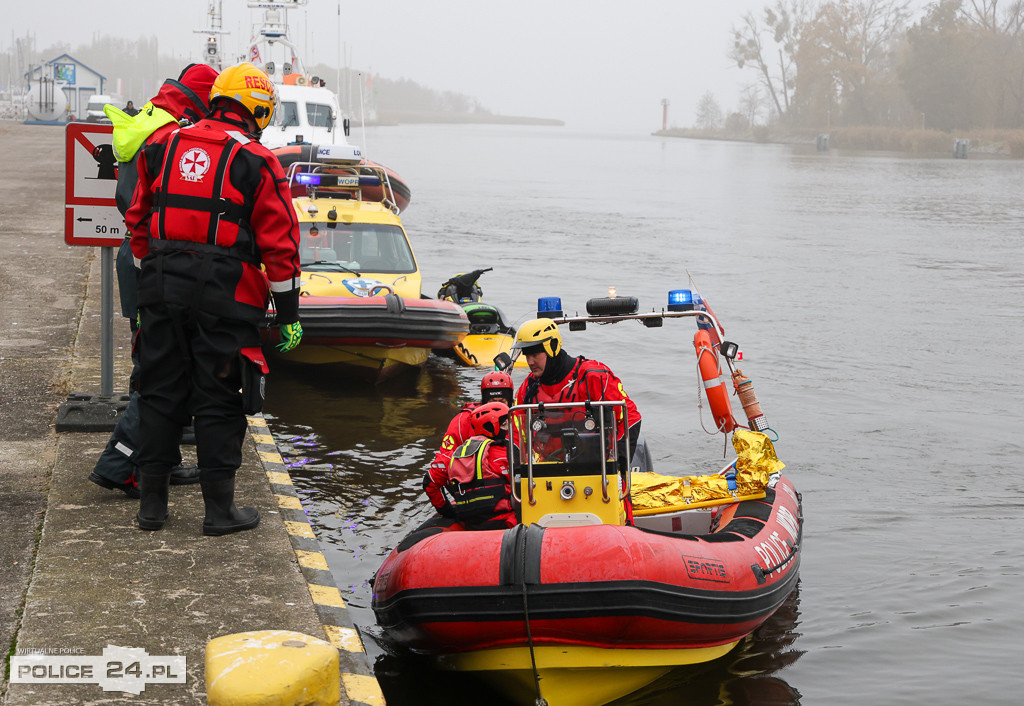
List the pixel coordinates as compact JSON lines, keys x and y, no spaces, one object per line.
{"x":287,"y":115}
{"x":568,"y":433}
{"x":319,"y":115}
{"x":355,"y":247}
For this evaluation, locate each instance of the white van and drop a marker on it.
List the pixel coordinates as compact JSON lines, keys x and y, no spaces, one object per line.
{"x":94,"y":110}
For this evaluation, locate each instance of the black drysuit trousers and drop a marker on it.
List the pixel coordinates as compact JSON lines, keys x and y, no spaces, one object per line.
{"x":189,"y":366}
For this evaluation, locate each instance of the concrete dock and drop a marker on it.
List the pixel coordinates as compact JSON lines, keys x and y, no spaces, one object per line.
{"x":77,"y":577}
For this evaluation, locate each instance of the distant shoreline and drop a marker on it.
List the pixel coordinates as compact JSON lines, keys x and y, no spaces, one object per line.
{"x":988,"y":143}
{"x":399,"y":117}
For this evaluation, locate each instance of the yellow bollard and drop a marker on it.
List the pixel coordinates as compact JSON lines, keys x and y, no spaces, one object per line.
{"x":272,"y":668}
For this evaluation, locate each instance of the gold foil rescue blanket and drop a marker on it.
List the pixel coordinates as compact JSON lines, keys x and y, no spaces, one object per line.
{"x":755,"y":462}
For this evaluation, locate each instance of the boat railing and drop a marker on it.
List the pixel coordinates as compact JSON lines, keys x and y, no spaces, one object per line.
{"x":706,"y":319}
{"x":327,"y":179}
{"x":650,"y":319}
{"x":534,"y":413}
{"x":388,"y":191}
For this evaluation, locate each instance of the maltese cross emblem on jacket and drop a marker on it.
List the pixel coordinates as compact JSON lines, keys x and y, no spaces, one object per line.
{"x":194,"y":163}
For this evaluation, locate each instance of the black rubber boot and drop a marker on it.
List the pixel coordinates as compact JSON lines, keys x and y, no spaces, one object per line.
{"x":154,"y":482}
{"x":130,"y":487}
{"x":222,"y":517}
{"x":184,"y":475}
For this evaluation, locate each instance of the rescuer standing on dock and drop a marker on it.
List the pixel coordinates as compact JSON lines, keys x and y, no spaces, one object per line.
{"x":179,"y":101}
{"x":211,"y":206}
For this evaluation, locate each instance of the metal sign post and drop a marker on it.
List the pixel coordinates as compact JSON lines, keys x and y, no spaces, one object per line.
{"x":91,"y":218}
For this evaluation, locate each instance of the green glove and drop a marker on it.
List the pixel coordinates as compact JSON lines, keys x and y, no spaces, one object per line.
{"x":291,"y":335}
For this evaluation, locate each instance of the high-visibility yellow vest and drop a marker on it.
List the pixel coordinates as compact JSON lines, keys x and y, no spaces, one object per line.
{"x":130,"y":131}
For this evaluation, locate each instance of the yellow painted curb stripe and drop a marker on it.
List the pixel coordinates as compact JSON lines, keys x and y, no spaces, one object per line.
{"x":364,"y":689}
{"x":288,"y":502}
{"x":279,"y":478}
{"x":299,"y":529}
{"x":344,"y":638}
{"x":361,"y":685}
{"x":326,"y":595}
{"x":270,"y":456}
{"x":312,"y":560}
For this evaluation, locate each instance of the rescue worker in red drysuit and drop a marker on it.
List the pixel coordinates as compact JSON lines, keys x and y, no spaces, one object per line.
{"x":555,"y":376}
{"x":211,"y":206}
{"x":181,"y":100}
{"x":496,"y":386}
{"x":476,"y":484}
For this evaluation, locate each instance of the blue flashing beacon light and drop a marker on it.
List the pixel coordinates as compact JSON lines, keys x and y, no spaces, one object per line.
{"x":549,"y":307}
{"x":308,"y":179}
{"x":680,"y":300}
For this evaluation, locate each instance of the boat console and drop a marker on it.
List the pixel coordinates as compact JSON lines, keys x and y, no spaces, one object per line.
{"x":564,"y":463}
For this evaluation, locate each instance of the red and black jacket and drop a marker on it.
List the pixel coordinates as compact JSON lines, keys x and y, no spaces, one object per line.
{"x":477,"y":485}
{"x":212,"y":205}
{"x":587,"y":380}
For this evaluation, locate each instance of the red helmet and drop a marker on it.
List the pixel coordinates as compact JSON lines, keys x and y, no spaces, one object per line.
{"x":487,"y":419}
{"x":496,"y":385}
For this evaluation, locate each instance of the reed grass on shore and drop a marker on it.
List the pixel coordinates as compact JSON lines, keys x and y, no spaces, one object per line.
{"x":1004,"y":143}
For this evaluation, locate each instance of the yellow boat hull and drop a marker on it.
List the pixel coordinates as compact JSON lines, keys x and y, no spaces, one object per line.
{"x":372,"y":363}
{"x":479,"y":350}
{"x":576,"y":676}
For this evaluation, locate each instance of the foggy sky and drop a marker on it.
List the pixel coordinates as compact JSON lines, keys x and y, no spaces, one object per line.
{"x":597,"y":64}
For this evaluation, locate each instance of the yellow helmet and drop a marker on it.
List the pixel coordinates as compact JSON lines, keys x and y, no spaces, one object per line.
{"x":539,"y":332}
{"x":249,"y":86}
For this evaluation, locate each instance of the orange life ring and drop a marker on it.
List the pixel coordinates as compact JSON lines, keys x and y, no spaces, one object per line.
{"x":714,"y":385}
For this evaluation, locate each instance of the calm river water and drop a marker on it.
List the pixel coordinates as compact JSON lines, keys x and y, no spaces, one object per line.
{"x":877,"y":300}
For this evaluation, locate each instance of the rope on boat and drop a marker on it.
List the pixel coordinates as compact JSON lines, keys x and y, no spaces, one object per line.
{"x":540,"y":700}
{"x":789,"y":558}
{"x":700,"y":415}
{"x":772,"y":569}
{"x":762,"y":574}
{"x":700,"y":400}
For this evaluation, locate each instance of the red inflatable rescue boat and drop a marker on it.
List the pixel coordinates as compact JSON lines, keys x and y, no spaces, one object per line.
{"x":575,"y":606}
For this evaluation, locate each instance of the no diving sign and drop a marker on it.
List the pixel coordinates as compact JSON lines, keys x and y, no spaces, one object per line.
{"x":90,"y":212}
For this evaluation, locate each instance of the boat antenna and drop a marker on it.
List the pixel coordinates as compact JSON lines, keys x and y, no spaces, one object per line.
{"x":362,"y":113}
{"x":693,"y":284}
{"x":337,"y":85}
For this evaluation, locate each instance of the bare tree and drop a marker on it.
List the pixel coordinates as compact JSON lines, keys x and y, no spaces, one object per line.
{"x":854,"y":41}
{"x":768,"y":44}
{"x":750,"y":102}
{"x":986,"y":15}
{"x":709,"y":113}
{"x":999,"y":55}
